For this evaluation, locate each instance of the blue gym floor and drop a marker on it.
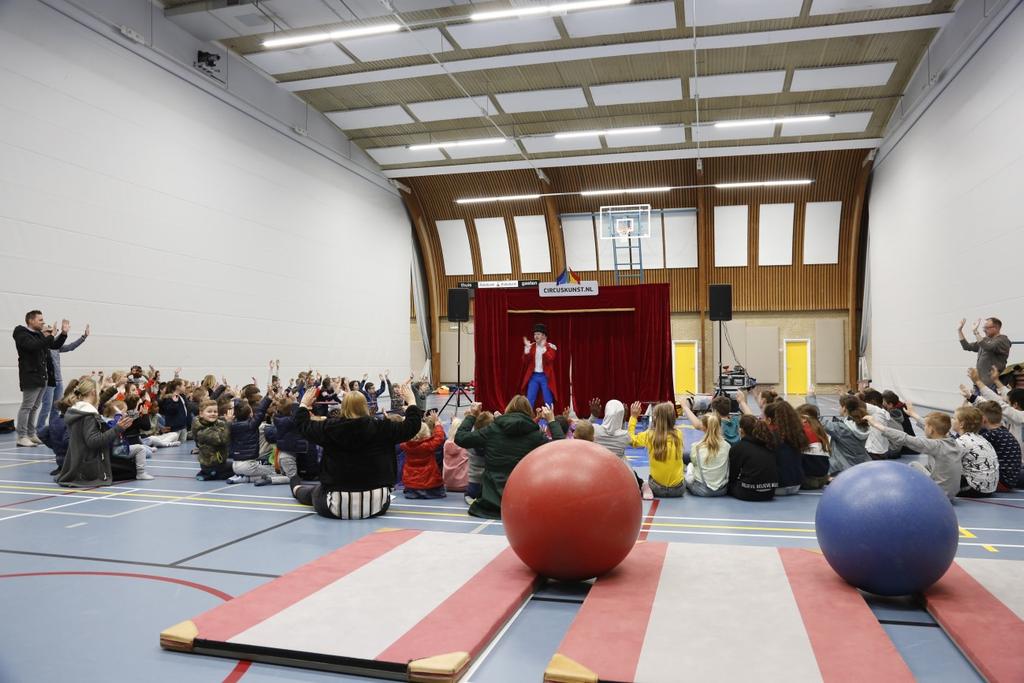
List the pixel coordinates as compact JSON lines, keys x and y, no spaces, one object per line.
{"x":89,"y":578}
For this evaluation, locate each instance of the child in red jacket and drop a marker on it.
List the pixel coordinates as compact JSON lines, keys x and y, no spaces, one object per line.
{"x":421,"y":475}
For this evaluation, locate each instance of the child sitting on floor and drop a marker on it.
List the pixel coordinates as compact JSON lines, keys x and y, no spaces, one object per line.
{"x":421,"y":476}
{"x":583,"y":430}
{"x":708,"y":472}
{"x":1007,"y":449}
{"x":980,"y":465}
{"x":944,"y":453}
{"x":815,"y":459}
{"x":475,"y":475}
{"x":456,"y":462}
{"x":664,"y":445}
{"x":212,"y":437}
{"x":245,"y":443}
{"x":123,"y":450}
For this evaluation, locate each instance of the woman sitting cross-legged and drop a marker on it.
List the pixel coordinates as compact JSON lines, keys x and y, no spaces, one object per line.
{"x":358,"y":469}
{"x":87,"y":463}
{"x":505,"y":442}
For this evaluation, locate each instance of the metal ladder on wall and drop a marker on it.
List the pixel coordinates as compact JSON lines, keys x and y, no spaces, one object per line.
{"x":628,"y":265}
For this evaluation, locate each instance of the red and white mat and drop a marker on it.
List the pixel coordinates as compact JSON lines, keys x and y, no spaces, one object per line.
{"x":405,"y":604}
{"x":673,"y":612}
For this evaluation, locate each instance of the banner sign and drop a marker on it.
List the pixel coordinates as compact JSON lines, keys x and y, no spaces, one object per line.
{"x":499,"y":284}
{"x":584,"y":288}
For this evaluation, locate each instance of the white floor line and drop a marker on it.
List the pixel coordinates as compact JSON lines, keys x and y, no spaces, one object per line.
{"x":166,"y":502}
{"x":78,"y":524}
{"x":651,"y":530}
{"x":987,"y":528}
{"x":481,"y":527}
{"x":494,"y":641}
{"x":66,"y":505}
{"x":994,"y":545}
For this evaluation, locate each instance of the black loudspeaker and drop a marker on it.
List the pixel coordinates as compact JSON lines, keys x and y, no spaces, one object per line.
{"x":458,"y":305}
{"x":720,"y":302}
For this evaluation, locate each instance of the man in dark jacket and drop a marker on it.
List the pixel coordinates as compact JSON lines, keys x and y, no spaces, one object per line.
{"x":35,"y":370}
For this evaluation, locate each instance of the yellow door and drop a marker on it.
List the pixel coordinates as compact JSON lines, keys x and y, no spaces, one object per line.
{"x":797,"y":361}
{"x":686,"y":366}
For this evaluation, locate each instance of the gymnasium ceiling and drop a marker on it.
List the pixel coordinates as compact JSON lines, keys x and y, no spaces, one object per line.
{"x":599,"y":69}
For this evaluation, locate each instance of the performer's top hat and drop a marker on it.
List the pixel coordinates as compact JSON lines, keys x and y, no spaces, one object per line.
{"x":542,"y":328}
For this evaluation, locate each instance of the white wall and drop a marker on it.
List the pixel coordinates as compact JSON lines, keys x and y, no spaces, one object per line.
{"x":947,"y":227}
{"x":187,"y":233}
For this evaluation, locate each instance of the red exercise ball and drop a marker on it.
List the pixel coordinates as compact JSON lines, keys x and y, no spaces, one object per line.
{"x":571,"y":510}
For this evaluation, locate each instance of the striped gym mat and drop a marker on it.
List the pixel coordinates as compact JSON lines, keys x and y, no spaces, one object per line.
{"x":673,"y":612}
{"x":980,"y":605}
{"x":400,"y":604}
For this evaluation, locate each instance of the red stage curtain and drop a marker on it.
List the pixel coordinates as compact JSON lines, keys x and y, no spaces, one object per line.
{"x":613,"y":354}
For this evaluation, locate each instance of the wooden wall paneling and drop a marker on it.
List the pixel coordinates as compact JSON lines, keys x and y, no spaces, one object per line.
{"x":431,"y":260}
{"x":772,"y":288}
{"x":556,"y":243}
{"x":851,"y":255}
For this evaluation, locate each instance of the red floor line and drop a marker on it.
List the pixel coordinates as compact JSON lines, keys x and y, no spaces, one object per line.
{"x":240,"y":668}
{"x":645,"y":527}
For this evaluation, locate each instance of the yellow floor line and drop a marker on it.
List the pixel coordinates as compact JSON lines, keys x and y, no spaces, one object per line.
{"x":989,"y":548}
{"x":723,"y":526}
{"x":964,"y":533}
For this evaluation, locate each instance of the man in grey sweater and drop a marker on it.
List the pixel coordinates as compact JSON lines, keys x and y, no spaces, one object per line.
{"x":53,"y":395}
{"x":945,"y":454}
{"x":993,"y":348}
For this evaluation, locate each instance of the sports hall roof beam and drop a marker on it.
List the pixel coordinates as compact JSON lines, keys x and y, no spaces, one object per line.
{"x":732,"y":40}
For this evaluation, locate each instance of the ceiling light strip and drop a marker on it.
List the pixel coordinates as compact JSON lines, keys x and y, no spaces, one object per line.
{"x":770,"y":121}
{"x":309,"y":38}
{"x":458,"y":143}
{"x":636,"y":190}
{"x":559,"y":8}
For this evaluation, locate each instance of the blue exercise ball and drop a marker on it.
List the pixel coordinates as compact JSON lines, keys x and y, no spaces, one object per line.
{"x":887,"y":528}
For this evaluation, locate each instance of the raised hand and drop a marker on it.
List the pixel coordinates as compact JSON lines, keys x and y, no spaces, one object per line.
{"x":65,"y":325}
{"x":960,"y":327}
{"x":635,"y":409}
{"x":595,"y":406}
{"x":965,"y":392}
{"x":993,"y":374}
{"x":125,"y":422}
{"x":474,"y":409}
{"x":86,"y":333}
{"x":526,"y":342}
{"x":308,"y":399}
{"x":977,"y":324}
{"x":547,"y":413}
{"x":972,"y":374}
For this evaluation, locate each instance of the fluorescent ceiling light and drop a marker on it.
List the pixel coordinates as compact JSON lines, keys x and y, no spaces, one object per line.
{"x":633,"y":131}
{"x":459,"y":143}
{"x":509,"y":198}
{"x":310,"y":38}
{"x":762,"y":183}
{"x":781,"y":119}
{"x":560,"y":8}
{"x":637,"y":190}
{"x":612,"y":131}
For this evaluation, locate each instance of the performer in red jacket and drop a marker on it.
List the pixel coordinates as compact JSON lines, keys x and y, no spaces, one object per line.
{"x":539,"y":366}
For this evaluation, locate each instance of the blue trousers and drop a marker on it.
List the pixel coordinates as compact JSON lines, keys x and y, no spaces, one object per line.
{"x":48,"y":410}
{"x":539,"y":382}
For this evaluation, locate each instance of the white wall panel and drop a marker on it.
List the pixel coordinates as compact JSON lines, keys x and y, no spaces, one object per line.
{"x":252,"y":246}
{"x":395,"y":45}
{"x":493,"y":239}
{"x":680,"y":238}
{"x":652,"y":16}
{"x":638,"y":91}
{"x":821,"y":232}
{"x":734,"y":11}
{"x":532,"y":239}
{"x":946,"y":227}
{"x":455,"y":250}
{"x":731,"y":236}
{"x":578,"y":233}
{"x":775,"y":235}
{"x":733,"y":85}
{"x":492,"y":33}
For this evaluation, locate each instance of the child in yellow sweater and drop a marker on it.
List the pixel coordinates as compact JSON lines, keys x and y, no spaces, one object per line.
{"x":664,"y":445}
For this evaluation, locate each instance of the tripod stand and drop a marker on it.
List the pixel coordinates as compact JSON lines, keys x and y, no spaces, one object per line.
{"x":459,"y":391}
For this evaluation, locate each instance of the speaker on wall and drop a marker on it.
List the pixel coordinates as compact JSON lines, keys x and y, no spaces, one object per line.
{"x":458,"y":305}
{"x":720,"y":302}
